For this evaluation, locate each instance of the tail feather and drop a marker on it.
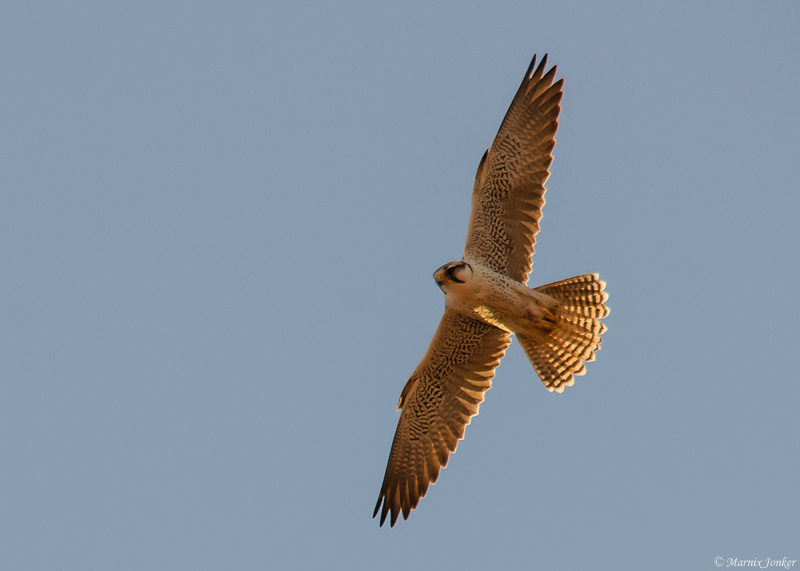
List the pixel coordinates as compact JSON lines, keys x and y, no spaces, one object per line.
{"x":559,"y":354}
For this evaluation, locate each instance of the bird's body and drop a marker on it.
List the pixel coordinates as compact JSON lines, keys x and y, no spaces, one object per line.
{"x":487,"y":300}
{"x":495,"y":298}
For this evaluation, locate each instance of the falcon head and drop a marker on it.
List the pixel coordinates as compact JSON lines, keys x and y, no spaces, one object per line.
{"x":453,"y":272}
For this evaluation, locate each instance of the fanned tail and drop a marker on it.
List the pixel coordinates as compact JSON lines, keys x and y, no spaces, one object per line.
{"x":559,"y":354}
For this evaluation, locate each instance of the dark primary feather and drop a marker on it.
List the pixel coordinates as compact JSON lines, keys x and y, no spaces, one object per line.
{"x":509,"y":186}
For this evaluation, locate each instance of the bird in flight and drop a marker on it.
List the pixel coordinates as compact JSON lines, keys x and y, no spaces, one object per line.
{"x":487,"y":300}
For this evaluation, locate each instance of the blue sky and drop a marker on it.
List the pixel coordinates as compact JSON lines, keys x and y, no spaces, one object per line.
{"x":219,"y":223}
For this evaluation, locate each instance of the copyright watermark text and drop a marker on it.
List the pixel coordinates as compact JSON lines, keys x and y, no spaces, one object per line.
{"x":785,"y":563}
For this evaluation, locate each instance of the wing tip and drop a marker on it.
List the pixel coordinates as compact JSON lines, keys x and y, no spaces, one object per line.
{"x":540,"y":69}
{"x":392,"y":512}
{"x":382,"y":503}
{"x":529,"y":73}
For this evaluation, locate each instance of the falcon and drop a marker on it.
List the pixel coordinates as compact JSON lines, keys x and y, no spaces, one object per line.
{"x":487,"y":300}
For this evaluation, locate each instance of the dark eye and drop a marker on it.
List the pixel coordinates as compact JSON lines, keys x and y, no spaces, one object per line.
{"x":453,"y":273}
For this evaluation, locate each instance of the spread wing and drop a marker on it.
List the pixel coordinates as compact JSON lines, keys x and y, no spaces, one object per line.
{"x":440,"y":398}
{"x":509,"y":187}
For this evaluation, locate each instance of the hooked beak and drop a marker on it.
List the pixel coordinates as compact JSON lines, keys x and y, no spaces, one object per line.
{"x":440,"y":276}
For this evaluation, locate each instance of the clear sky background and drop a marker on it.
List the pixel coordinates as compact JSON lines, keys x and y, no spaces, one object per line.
{"x":218,"y":228}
